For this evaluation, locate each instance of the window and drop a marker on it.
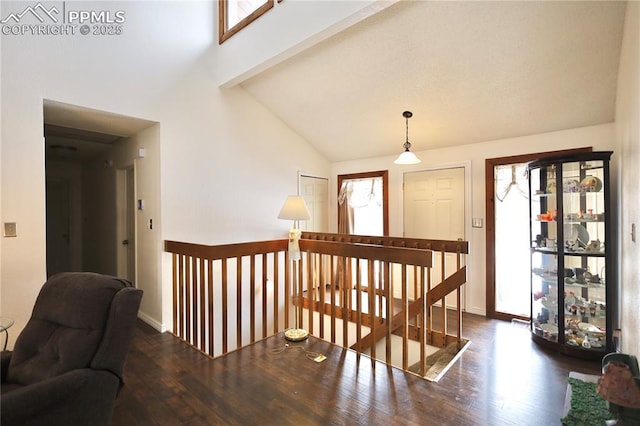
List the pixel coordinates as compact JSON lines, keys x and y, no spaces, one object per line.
{"x":234,"y":15}
{"x":363,"y":203}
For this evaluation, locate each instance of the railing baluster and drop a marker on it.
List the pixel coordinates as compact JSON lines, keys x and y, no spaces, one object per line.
{"x":459,"y":302}
{"x":176,"y":300}
{"x":323,"y":289}
{"x":421,"y":324}
{"x":238,"y":300}
{"x":346,"y":287}
{"x":372,"y":308}
{"x":299,"y":297}
{"x":211,"y":307}
{"x":264,"y":295}
{"x":203,"y":311}
{"x":188,"y":307}
{"x":444,"y":299}
{"x":358,"y":303}
{"x":334,"y":280}
{"x":276,"y":293}
{"x":310,"y":289}
{"x":252,"y":300}
{"x":405,"y":319}
{"x":288,"y":291}
{"x":388,"y":291}
{"x":225,"y":309}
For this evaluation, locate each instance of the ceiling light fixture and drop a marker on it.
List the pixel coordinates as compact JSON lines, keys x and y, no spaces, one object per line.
{"x":407,"y":157}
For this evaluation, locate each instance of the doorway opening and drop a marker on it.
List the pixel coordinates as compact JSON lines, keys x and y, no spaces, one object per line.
{"x":126,"y":222}
{"x":512,"y":272}
{"x":83,"y":150}
{"x":508,"y":271}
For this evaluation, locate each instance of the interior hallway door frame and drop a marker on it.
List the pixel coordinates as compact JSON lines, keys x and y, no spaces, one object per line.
{"x":490,"y":195}
{"x":126,"y":222}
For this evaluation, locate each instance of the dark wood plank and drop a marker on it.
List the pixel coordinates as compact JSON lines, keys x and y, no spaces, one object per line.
{"x":503,"y":378}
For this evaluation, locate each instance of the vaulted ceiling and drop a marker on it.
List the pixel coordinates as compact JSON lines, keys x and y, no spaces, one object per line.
{"x":469,"y":71}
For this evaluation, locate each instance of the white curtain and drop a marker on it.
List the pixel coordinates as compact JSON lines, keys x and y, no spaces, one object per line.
{"x":345,"y":211}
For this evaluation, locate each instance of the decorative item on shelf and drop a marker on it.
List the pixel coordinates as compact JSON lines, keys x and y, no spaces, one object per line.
{"x":407,"y":157}
{"x":551,"y":187}
{"x":295,"y":209}
{"x":591,"y":184}
{"x":571,"y":185}
{"x":594,"y":245}
{"x":572,"y":217}
{"x":549,"y":216}
{"x":576,"y":237}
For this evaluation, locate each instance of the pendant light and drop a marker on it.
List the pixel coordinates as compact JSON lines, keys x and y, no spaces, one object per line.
{"x":407,"y":157}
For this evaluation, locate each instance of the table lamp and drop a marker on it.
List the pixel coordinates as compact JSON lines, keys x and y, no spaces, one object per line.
{"x":295,"y":209}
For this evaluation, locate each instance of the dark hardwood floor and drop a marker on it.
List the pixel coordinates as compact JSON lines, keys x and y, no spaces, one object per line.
{"x":503,"y":378}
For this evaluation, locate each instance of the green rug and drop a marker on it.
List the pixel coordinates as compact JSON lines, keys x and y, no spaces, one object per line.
{"x":587,"y":407}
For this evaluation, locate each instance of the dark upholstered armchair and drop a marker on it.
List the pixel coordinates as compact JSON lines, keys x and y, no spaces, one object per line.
{"x":67,"y":364}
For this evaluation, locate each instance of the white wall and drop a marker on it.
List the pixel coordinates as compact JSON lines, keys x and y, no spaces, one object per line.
{"x":628,"y":138}
{"x":600,"y":137}
{"x":227,"y":163}
{"x":148,"y":242}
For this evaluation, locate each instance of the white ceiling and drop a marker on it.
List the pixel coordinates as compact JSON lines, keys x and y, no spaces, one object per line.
{"x":469,"y":72}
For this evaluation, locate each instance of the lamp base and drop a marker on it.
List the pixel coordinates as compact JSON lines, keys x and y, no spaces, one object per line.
{"x":296,"y":334}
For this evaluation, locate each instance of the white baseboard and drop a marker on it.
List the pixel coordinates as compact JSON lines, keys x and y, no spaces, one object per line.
{"x":476,"y":311}
{"x":152,"y":322}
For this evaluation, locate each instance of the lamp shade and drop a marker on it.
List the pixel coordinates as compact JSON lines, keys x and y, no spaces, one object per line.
{"x":294,"y":208}
{"x":407,"y":157}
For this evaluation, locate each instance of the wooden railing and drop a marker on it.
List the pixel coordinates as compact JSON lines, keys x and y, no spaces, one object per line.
{"x":243,"y":292}
{"x":447,"y":276}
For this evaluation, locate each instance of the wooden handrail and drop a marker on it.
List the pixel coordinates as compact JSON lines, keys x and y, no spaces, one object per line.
{"x":449,"y":246}
{"x":214,"y":302}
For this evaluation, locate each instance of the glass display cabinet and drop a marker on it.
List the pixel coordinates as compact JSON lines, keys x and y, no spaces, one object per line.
{"x":573,"y":298}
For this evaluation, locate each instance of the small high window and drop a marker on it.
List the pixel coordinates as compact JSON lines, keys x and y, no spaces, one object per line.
{"x":234,"y":15}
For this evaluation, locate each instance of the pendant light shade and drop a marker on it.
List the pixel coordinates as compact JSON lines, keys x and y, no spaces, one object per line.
{"x":407,"y":157}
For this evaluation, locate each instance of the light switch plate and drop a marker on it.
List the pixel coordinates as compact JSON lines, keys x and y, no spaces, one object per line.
{"x":476,"y":222}
{"x":10,"y":229}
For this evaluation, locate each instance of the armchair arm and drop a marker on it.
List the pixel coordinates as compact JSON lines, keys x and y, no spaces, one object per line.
{"x":79,"y":397}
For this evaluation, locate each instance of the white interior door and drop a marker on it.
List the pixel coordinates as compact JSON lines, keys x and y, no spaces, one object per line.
{"x":315,"y":191}
{"x":126,"y":224}
{"x":434,"y":208}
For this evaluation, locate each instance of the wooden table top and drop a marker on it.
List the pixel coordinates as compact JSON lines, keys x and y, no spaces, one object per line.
{"x":268,"y":383}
